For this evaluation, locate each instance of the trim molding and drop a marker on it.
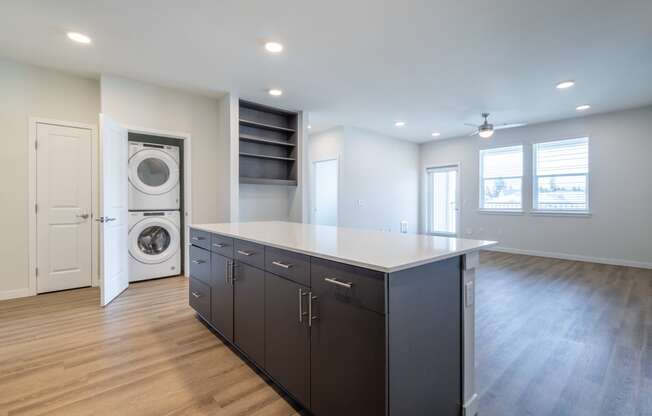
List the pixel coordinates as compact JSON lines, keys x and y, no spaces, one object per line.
{"x":574,"y":257}
{"x":16,"y":293}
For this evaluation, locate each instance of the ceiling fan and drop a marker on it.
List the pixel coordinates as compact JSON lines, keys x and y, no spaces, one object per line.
{"x":486,"y":129}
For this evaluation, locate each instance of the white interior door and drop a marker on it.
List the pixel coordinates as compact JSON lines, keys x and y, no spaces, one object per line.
{"x":63,"y":198}
{"x":443,"y":200}
{"x":114,"y":209}
{"x":325,"y":192}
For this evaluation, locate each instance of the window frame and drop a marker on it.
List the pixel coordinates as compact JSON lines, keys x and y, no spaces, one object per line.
{"x":481,"y":198}
{"x":535,"y":188}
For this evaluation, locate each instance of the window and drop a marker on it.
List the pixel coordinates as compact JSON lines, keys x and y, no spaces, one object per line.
{"x":561,"y":175}
{"x":501,"y":178}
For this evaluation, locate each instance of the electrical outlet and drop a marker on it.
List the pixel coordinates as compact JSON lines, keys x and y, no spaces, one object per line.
{"x":404,"y":227}
{"x":360,"y":203}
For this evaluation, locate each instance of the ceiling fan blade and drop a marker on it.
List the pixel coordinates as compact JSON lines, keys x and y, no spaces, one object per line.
{"x":508,"y":126}
{"x":471,"y":125}
{"x":474,"y":133}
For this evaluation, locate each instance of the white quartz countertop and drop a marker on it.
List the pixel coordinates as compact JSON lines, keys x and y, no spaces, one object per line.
{"x":383,"y":251}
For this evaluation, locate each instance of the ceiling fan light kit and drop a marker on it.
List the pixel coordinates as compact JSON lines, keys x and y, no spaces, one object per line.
{"x":486,"y":130}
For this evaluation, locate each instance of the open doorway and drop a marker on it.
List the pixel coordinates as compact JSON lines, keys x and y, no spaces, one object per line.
{"x":325,"y":191}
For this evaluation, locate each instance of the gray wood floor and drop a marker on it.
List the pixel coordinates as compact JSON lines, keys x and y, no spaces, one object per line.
{"x":561,"y":338}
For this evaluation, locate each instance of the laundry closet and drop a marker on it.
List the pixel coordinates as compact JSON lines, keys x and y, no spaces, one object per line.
{"x":155,"y":203}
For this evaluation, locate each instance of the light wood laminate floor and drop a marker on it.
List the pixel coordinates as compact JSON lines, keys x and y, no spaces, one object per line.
{"x":554,"y":337}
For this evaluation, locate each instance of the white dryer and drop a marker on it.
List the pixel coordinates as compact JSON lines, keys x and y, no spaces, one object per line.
{"x":153,"y":176}
{"x":154,"y":244}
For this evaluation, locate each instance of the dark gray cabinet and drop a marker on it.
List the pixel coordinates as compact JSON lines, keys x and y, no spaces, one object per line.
{"x":287,"y":337}
{"x":341,"y":340}
{"x":249,"y":311}
{"x":347,"y":349}
{"x":222,"y":295}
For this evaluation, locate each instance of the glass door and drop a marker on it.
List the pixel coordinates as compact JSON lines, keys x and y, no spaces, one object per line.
{"x":443,"y":197}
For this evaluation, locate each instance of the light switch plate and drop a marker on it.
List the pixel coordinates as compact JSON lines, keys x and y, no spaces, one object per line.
{"x":404,"y":227}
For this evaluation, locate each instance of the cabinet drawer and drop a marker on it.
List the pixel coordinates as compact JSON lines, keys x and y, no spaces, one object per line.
{"x":200,"y":264}
{"x":293,"y":266}
{"x":200,"y":298}
{"x":200,"y":238}
{"x":354,"y":285}
{"x":250,"y":253}
{"x":222,"y":245}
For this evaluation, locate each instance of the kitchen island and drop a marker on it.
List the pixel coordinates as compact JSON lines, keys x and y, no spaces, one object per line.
{"x":346,"y":321}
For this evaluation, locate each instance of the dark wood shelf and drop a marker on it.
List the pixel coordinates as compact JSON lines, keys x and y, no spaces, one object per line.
{"x":256,"y":139}
{"x":268,"y":181}
{"x":290,"y":159}
{"x":252,"y":123}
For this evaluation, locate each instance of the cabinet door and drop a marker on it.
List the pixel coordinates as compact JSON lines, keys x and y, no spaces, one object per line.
{"x":221,"y":296}
{"x":249,"y":311}
{"x":347,"y":355}
{"x":287,"y":336}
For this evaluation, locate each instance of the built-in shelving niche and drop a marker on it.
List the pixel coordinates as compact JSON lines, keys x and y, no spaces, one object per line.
{"x":268,"y":145}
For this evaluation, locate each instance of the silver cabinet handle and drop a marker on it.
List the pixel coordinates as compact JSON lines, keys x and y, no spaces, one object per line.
{"x":334,"y":281}
{"x":197,"y":238}
{"x":199,"y":261}
{"x":196,"y":295}
{"x":283,"y":265}
{"x":104,"y":219}
{"x":231,"y":265}
{"x":245,"y":253}
{"x":219,"y":245}
{"x":226,"y":272}
{"x":301,"y":312}
{"x":83,"y":216}
{"x":310,"y":315}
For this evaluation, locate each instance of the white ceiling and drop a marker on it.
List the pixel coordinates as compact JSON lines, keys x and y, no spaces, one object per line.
{"x":434,"y":64}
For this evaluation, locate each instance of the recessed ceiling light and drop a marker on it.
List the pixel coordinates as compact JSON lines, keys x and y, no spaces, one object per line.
{"x":582,"y":107}
{"x":274,"y":47}
{"x":79,"y":37}
{"x":436,"y":134}
{"x":565,"y":84}
{"x":399,"y":123}
{"x":275,"y":92}
{"x":309,"y":126}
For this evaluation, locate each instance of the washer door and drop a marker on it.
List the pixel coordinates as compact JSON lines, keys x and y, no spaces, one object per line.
{"x":153,"y":240}
{"x":153,"y":171}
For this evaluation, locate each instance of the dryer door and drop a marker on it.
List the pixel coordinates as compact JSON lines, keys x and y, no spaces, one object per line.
{"x":153,"y":171}
{"x":153,"y":240}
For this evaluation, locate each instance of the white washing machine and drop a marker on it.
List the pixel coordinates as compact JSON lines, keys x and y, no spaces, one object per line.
{"x":154,"y":244}
{"x":153,"y":176}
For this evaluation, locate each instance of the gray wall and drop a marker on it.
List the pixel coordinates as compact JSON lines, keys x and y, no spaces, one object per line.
{"x":620,"y":227}
{"x":28,"y":91}
{"x":379,"y":170}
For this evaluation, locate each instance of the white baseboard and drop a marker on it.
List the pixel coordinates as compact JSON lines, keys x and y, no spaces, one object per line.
{"x":574,"y":257}
{"x":16,"y":293}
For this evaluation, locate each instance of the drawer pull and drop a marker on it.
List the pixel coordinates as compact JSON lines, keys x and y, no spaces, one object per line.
{"x":198,"y":238}
{"x":245,"y":253}
{"x":197,"y":296}
{"x":334,"y":281}
{"x":283,"y":265}
{"x":199,"y":261}
{"x":219,"y":245}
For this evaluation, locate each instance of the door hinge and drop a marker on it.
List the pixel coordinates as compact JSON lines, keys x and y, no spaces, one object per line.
{"x":35,"y":208}
{"x":37,"y":272}
{"x":35,"y":145}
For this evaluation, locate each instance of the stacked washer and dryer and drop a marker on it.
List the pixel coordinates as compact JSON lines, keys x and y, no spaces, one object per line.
{"x":154,"y":211}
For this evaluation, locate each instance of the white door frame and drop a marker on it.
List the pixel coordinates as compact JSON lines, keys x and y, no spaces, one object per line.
{"x":31,"y":206}
{"x":458,"y":197}
{"x":187,"y":183}
{"x":313,"y":186}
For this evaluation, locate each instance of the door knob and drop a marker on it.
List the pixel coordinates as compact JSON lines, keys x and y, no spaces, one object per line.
{"x":83,"y":216}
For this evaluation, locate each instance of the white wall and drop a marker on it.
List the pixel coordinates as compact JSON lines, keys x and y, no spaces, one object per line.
{"x":620,"y":228}
{"x":27,"y":91}
{"x":137,"y":104}
{"x":380,"y":171}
